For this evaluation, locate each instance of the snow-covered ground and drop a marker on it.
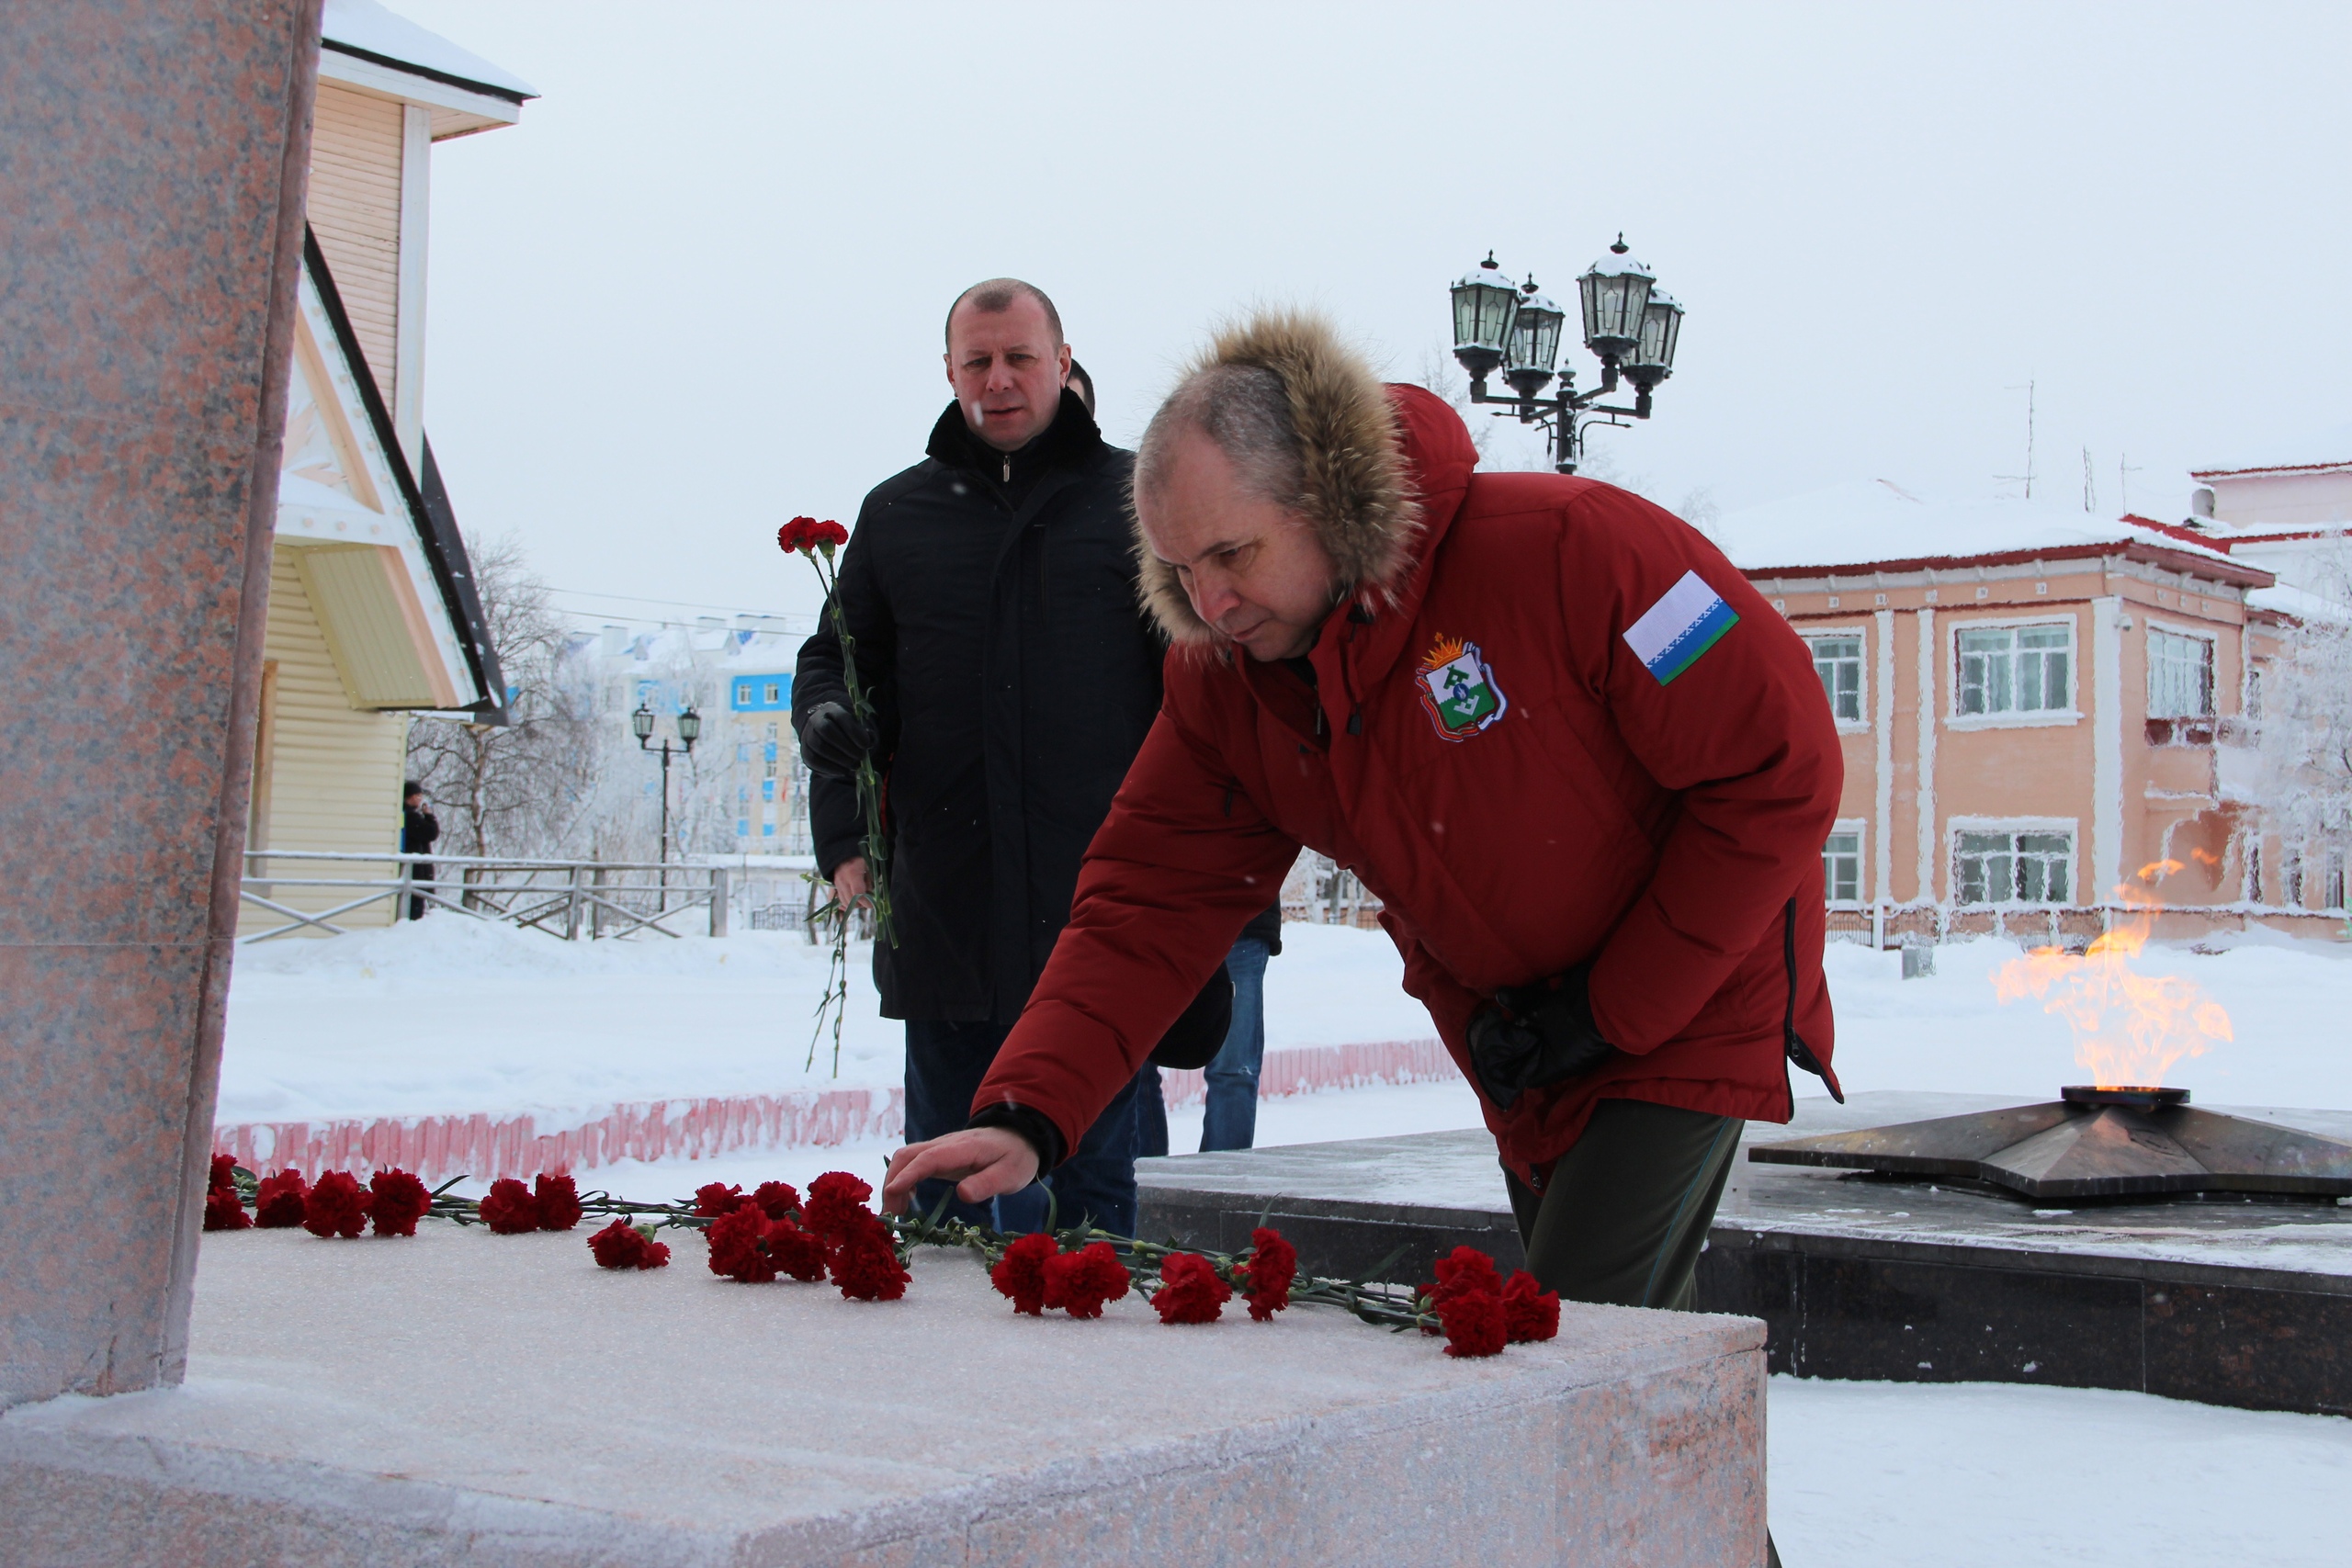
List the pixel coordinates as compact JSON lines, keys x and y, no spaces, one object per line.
{"x":446,"y":1015}
{"x":1961,"y":1475}
{"x":450,"y":1015}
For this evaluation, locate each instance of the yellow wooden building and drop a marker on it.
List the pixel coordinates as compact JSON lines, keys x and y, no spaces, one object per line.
{"x":373,"y":614}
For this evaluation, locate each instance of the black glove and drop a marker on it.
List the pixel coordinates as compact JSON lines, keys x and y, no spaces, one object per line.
{"x":834,"y":741}
{"x":1530,"y":1036}
{"x":1192,"y":1042}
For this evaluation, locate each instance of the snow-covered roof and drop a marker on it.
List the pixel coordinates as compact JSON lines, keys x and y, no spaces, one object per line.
{"x":1877,"y":524}
{"x":2329,"y":447}
{"x":2301,"y":604}
{"x":368,"y":30}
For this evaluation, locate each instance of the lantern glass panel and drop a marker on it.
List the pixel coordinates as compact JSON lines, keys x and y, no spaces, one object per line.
{"x":1484,"y":304}
{"x":1535,"y":334}
{"x":689,"y":726}
{"x":1661,"y":326}
{"x":641,"y":721}
{"x":1616,"y":291}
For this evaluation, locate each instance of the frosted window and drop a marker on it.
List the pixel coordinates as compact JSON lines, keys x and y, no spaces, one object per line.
{"x":1842,"y":867}
{"x":2180,"y":676}
{"x":2015,"y":868}
{"x":2015,"y":669}
{"x":1839,"y":662}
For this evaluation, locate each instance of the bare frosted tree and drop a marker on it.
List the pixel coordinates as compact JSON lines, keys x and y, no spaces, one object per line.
{"x":2303,"y":730}
{"x":522,"y":789}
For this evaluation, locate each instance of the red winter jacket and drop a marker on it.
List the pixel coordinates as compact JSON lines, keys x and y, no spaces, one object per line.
{"x":1543,"y":799}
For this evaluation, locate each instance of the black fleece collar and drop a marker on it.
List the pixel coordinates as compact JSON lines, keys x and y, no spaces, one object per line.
{"x":1071,"y":439}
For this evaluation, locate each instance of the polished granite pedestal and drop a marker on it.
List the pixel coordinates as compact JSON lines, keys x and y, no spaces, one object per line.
{"x":1856,"y":1276}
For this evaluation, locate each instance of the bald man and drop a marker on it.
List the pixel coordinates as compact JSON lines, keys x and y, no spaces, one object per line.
{"x":991,"y":589}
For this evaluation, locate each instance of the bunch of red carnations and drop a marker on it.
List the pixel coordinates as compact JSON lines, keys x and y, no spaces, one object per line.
{"x":549,"y":1204}
{"x":1479,"y":1312}
{"x":756,"y":1236}
{"x":803,"y":535}
{"x":1040,"y":1275}
{"x":335,"y":1205}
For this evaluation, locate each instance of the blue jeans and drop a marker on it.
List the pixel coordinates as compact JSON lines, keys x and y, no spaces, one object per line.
{"x":1231,"y":1121}
{"x":946,"y":1063}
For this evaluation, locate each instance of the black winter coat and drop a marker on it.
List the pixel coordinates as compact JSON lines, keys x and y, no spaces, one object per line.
{"x":1014,"y":675}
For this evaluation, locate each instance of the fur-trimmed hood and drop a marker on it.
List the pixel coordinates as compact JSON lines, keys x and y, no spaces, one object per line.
{"x":1367,"y":468}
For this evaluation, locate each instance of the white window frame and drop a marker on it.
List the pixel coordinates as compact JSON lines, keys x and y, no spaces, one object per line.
{"x":2016,"y":825}
{"x":2213,"y":668}
{"x":1862,"y":689}
{"x":1860,"y":828}
{"x":2037,"y":718}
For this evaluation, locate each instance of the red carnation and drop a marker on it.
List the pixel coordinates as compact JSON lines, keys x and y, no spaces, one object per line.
{"x":557,"y":1199}
{"x":337,"y":1206}
{"x":836,"y":1203}
{"x":1473,"y":1322}
{"x":827,"y":536}
{"x":1021,"y":1273}
{"x":1467,"y":1269}
{"x":793,"y":535}
{"x":712,"y":1199}
{"x":281,"y":1200}
{"x":795,"y":1252}
{"x":398,"y":1200}
{"x":1273,"y":1264}
{"x":1190,"y":1291}
{"x":624,"y":1246}
{"x":1083,"y":1281}
{"x":224,"y":1206}
{"x":617,"y":1246}
{"x":1530,"y":1312}
{"x":1460,"y":1271}
{"x":735,"y":1250}
{"x":865,"y":1260}
{"x":508,"y":1209}
{"x":777,"y":1200}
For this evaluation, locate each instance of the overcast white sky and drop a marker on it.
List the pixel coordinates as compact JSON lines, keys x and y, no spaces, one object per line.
{"x":698,"y":288}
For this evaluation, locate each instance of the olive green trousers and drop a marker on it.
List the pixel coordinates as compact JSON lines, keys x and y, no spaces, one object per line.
{"x":1624,"y":1213}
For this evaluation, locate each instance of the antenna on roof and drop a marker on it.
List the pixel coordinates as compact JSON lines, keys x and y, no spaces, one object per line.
{"x":2124,"y":469}
{"x":2090,"y":486}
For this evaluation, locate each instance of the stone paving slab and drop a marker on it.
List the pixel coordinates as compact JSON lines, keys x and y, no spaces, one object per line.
{"x":467,"y":1398}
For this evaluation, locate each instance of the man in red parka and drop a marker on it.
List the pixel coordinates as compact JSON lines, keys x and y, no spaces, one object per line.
{"x":1584,"y":765}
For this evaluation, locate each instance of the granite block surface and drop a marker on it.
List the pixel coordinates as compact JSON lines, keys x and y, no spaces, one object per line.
{"x":465,"y":1397}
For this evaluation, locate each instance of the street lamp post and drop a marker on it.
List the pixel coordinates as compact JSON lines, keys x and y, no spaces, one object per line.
{"x":689,"y":731}
{"x":1629,"y":322}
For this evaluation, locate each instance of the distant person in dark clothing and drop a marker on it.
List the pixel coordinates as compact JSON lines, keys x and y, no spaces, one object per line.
{"x":1231,"y":1115}
{"x":1083,"y":385}
{"x":419,"y":827}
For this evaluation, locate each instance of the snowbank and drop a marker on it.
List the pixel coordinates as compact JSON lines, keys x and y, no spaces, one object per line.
{"x":467,"y":1045}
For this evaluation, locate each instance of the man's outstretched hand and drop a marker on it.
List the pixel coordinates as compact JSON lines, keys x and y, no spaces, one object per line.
{"x":983,"y":1162}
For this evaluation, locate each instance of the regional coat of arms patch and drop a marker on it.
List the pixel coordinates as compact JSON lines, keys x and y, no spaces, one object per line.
{"x":1459,"y":689}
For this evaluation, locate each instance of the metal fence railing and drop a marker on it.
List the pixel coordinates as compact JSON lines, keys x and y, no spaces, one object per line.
{"x":311,"y":890}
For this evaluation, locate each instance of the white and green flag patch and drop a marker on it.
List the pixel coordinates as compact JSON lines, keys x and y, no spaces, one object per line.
{"x":1687,"y":621}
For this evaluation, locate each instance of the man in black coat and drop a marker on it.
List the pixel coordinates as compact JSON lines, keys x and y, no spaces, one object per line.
{"x":991,"y":589}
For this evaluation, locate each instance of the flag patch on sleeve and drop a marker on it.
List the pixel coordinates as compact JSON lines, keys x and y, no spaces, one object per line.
{"x":1673,"y":633}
